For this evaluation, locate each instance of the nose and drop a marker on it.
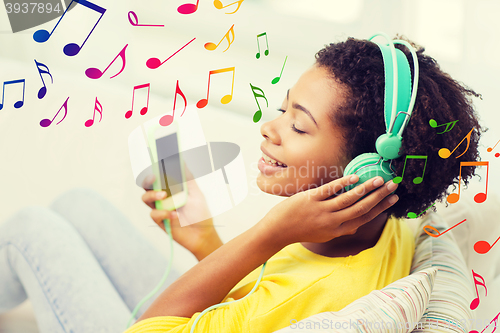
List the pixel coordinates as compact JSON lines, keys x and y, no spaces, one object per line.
{"x":269,"y":131}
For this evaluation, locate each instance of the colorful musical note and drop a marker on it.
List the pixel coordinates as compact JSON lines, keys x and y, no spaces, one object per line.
{"x":219,"y":5}
{"x":490,"y":149}
{"x":144,"y":110}
{"x":43,"y":90}
{"x":98,"y":108}
{"x":483,"y":247}
{"x":17,"y":104}
{"x":257,"y":115}
{"x":494,"y":329}
{"x":41,"y":36}
{"x":168,"y":119}
{"x":445,"y":152}
{"x":134,"y":20}
{"x":412,"y":215}
{"x":266,"y":52}
{"x":480,"y":197}
{"x":154,"y":63}
{"x":438,"y":233}
{"x":475,"y":302}
{"x":434,"y":124}
{"x":188,"y":8}
{"x":47,"y":122}
{"x":416,"y":180}
{"x":211,"y":46}
{"x":224,"y":100}
{"x":95,"y":73}
{"x":277,"y":78}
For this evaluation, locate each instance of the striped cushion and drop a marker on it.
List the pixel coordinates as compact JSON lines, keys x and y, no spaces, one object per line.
{"x":395,"y":308}
{"x":448,"y":309}
{"x":438,"y":267}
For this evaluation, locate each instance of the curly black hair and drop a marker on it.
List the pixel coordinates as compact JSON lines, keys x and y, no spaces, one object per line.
{"x":358,"y":66}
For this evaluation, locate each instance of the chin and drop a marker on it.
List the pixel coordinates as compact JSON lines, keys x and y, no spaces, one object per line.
{"x":282,"y":188}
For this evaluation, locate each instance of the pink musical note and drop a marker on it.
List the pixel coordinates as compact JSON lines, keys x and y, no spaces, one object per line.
{"x":154,"y":63}
{"x":494,"y":320}
{"x":41,"y":36}
{"x":211,"y":46}
{"x":95,"y":73}
{"x":475,"y":302}
{"x":224,"y":100}
{"x":445,"y":152}
{"x":438,"y":233}
{"x":144,"y":110}
{"x":134,"y":20}
{"x":17,"y":104}
{"x":43,"y":90}
{"x":168,"y":119}
{"x":98,"y":108}
{"x":480,"y":197}
{"x":47,"y":122}
{"x":188,"y":8}
{"x":483,"y":247}
{"x":219,"y":5}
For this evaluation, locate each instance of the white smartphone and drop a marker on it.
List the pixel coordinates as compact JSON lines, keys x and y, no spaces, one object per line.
{"x":168,"y":166}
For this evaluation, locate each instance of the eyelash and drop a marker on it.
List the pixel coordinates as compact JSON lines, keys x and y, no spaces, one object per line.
{"x":293,"y":125}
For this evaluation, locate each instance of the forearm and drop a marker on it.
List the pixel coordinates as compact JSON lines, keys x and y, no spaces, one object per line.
{"x":210,"y":245}
{"x":210,"y":280}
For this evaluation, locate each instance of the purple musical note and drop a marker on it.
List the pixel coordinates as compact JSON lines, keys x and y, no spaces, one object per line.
{"x":47,"y":122}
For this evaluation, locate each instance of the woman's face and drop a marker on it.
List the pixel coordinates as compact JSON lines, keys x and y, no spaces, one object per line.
{"x":303,"y":147}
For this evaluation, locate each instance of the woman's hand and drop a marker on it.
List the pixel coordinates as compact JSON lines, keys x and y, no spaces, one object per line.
{"x":324,"y":213}
{"x":200,"y":238}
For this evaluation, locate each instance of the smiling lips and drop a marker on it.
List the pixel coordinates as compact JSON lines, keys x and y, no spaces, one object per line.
{"x":272,"y":162}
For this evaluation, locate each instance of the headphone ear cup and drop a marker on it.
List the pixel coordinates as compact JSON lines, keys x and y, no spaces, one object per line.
{"x":367,"y":166}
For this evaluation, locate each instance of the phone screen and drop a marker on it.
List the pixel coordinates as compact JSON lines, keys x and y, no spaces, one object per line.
{"x":169,"y":164}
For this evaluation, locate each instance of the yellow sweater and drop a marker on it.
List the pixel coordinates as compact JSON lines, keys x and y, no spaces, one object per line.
{"x":298,"y":283}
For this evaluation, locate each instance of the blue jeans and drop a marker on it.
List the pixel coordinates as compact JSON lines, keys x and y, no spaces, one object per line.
{"x":82,"y":264}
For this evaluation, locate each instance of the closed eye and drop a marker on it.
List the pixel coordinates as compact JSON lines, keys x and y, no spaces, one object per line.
{"x":293,"y":125}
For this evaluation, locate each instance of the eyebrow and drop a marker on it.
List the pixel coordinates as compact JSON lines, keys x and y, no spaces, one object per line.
{"x":300,"y":107}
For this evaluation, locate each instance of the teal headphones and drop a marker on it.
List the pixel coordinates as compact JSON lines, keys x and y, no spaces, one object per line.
{"x":397,"y":102}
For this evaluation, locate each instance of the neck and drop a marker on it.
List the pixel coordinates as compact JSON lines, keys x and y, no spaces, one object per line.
{"x":365,"y":237}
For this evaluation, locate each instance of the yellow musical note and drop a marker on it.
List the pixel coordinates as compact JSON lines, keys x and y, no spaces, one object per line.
{"x":211,"y":46}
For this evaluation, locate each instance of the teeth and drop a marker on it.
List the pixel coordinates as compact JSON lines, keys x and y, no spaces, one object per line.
{"x":270,"y":161}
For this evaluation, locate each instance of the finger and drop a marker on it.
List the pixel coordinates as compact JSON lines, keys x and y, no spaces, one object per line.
{"x":368,"y":203}
{"x":147,"y":183}
{"x":160,"y":215}
{"x":350,"y":197}
{"x":325,"y":191}
{"x":350,"y":227}
{"x":150,"y":197}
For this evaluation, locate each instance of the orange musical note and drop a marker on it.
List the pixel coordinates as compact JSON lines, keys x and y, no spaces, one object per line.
{"x":168,"y":119}
{"x":438,"y":233}
{"x":47,"y":122}
{"x":416,"y":180}
{"x":266,"y":52}
{"x":41,"y":36}
{"x":475,"y":302}
{"x":434,"y":124}
{"x":134,"y":20}
{"x":277,"y":78}
{"x":45,"y":70}
{"x":211,"y":46}
{"x":224,"y":100}
{"x":494,"y":320}
{"x":98,"y":108}
{"x":188,"y":8}
{"x":258,"y":114}
{"x":480,"y":197}
{"x":445,"y":152}
{"x":490,"y":149}
{"x":219,"y":5}
{"x":154,"y":63}
{"x":95,"y":73}
{"x":412,"y":215}
{"x":483,"y":247}
{"x":17,"y":104}
{"x":144,"y":110}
